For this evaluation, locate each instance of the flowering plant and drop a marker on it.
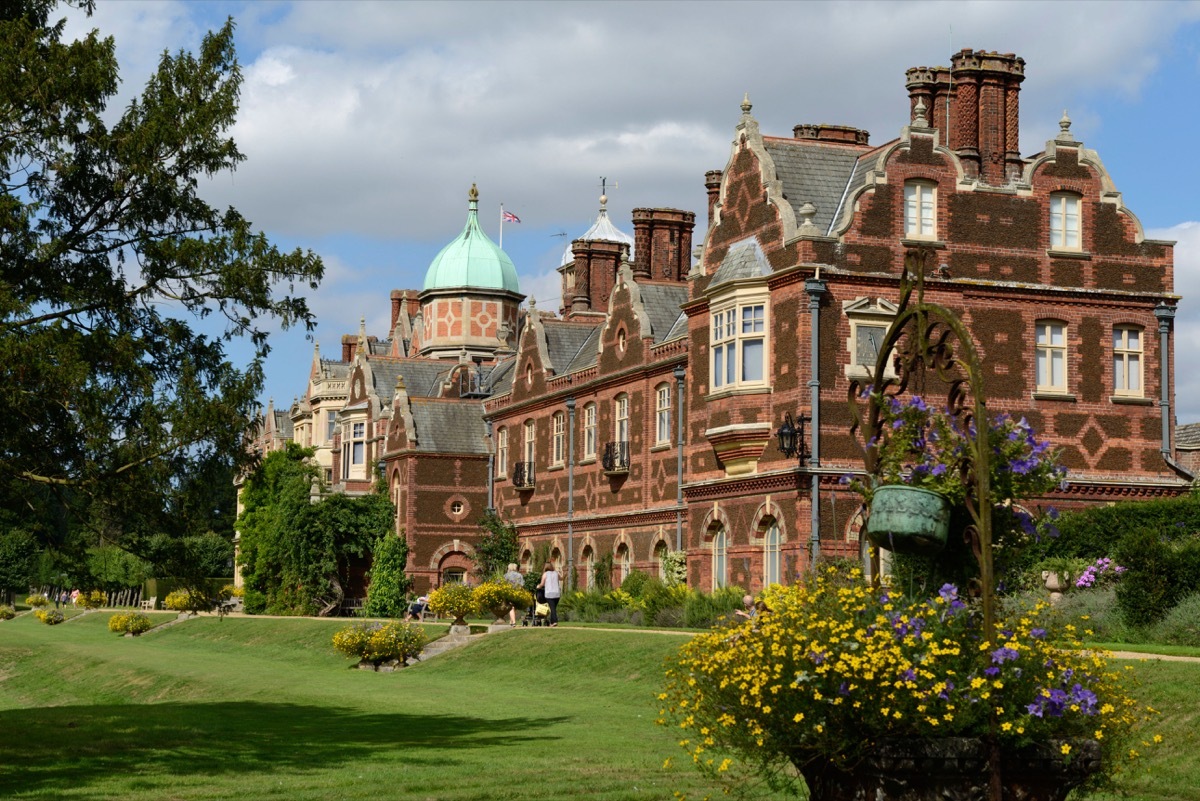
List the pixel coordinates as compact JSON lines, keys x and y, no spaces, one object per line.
{"x":381,"y":642}
{"x":926,"y":447}
{"x":1102,"y":571}
{"x":134,"y":623}
{"x":453,"y":600}
{"x":836,"y":667}
{"x":51,"y":617}
{"x":499,"y":596}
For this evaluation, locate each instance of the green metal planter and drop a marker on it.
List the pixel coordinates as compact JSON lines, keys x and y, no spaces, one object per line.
{"x":908,"y":519}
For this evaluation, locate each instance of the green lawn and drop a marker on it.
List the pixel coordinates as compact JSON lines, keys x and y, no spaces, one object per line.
{"x":264,"y":709}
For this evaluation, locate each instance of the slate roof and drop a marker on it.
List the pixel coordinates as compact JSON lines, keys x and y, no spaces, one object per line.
{"x":335,"y":369}
{"x":858,"y":177}
{"x":563,"y":341}
{"x":283,"y":424}
{"x":678,"y":329}
{"x":813,"y":173}
{"x":662,"y":304}
{"x":1187,"y":436}
{"x":500,"y":377}
{"x":422,"y":377}
{"x":744,"y":259}
{"x":449,"y":426}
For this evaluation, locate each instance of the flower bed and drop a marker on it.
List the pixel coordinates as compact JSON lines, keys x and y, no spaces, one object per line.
{"x":377,"y":643}
{"x":134,"y":623}
{"x":837,"y":668}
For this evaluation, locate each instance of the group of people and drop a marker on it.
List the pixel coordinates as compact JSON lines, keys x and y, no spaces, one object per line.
{"x":549,"y":590}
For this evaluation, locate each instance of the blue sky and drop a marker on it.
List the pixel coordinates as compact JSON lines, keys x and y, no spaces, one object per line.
{"x":364,"y":124}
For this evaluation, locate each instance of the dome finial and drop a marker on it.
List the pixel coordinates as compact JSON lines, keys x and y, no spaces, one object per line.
{"x":473,"y":195}
{"x":746,"y":105}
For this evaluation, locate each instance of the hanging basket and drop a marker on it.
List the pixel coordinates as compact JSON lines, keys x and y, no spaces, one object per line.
{"x":908,"y":519}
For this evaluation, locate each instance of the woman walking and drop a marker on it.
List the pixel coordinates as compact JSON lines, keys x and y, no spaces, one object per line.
{"x":551,"y":585}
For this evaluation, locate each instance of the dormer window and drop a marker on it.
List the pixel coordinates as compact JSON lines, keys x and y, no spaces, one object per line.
{"x":1064,"y":221}
{"x":920,"y":210}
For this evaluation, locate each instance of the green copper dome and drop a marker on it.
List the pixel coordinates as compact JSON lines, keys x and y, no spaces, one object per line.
{"x":472,"y":260}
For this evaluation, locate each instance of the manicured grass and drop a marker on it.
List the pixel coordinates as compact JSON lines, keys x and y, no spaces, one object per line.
{"x":249,"y":709}
{"x":265,"y":709}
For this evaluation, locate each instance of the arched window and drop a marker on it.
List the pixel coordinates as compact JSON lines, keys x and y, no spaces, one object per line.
{"x":589,"y":567}
{"x":771,"y":557}
{"x":720,"y":558}
{"x":621,"y":418}
{"x":530,"y":440}
{"x":624,"y":562}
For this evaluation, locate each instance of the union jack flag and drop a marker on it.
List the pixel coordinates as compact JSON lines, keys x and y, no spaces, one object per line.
{"x":510,"y":217}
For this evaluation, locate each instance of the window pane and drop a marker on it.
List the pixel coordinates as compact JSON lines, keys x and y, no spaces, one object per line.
{"x":1135,"y":373}
{"x":1135,"y":342}
{"x":358,"y":453}
{"x":719,"y":366}
{"x":1056,"y":369}
{"x":1043,"y":372}
{"x":730,"y":364}
{"x":752,"y":360}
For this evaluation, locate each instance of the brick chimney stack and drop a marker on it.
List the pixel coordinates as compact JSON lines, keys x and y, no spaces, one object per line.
{"x":712,"y":185}
{"x":662,"y":243}
{"x":983,"y":124}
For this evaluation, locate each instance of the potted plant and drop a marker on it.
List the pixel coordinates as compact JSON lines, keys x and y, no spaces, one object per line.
{"x":922,"y":458}
{"x":498,"y":597}
{"x":453,"y":600}
{"x":870,"y":694}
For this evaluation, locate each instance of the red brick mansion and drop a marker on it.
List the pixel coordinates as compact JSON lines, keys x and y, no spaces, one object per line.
{"x":640,"y":416}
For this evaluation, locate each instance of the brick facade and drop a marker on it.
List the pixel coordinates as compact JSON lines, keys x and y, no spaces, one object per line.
{"x":802,"y":231}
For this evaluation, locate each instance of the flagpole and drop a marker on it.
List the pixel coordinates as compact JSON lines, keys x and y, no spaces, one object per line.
{"x":502,"y":226}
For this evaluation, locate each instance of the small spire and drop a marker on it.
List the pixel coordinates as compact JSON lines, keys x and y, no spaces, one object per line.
{"x":746,"y":104}
{"x":919,"y":120}
{"x":1064,"y":129}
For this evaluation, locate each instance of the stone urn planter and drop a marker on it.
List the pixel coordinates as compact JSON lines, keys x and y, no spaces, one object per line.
{"x":1057,"y":583}
{"x":952,"y":769}
{"x":908,"y":519}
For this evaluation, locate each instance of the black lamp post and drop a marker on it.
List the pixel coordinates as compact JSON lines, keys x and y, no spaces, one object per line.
{"x":792,"y":441}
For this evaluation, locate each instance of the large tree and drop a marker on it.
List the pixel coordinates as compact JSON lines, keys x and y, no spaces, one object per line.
{"x":114,"y":393}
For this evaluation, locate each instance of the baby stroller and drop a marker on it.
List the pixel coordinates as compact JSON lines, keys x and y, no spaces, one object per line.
{"x":539,"y":613}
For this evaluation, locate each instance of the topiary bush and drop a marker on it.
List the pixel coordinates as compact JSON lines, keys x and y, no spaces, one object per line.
{"x":91,"y":600}
{"x":381,"y":642}
{"x":134,"y":623}
{"x":51,"y":617}
{"x":7,"y":612}
{"x":453,"y":600}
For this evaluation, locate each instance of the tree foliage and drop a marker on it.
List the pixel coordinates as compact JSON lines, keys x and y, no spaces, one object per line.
{"x":295,"y":554}
{"x":389,"y":582}
{"x":109,"y":260}
{"x":497,"y":546}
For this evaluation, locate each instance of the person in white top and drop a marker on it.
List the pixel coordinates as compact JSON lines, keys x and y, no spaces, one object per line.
{"x":551,"y":586}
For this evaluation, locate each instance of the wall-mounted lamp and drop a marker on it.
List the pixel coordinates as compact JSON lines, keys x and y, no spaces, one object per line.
{"x":792,"y":441}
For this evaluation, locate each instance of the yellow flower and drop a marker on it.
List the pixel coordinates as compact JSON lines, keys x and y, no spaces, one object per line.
{"x":1066,"y":749}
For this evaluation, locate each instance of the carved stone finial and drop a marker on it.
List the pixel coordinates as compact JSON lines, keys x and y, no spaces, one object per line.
{"x":746,"y":104}
{"x":807,"y":212}
{"x":1064,"y":129}
{"x":473,"y":195}
{"x":400,"y":382}
{"x":919,"y":120}
{"x":532,"y":303}
{"x":463,"y":358}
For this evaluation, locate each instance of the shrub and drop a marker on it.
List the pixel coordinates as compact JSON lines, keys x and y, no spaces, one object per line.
{"x":593,"y":605}
{"x":453,"y":600}
{"x":51,"y":617}
{"x":1161,"y":572}
{"x":91,"y":600}
{"x":1180,"y":626}
{"x":36,"y":601}
{"x":7,"y":612}
{"x":131,"y":623}
{"x":185,"y":601}
{"x":381,"y":642}
{"x":674,"y":567}
{"x":232,"y":591}
{"x":659,"y":598}
{"x":497,"y":597}
{"x":636,"y":582}
{"x":1095,"y":611}
{"x":389,"y":583}
{"x":702,"y":611}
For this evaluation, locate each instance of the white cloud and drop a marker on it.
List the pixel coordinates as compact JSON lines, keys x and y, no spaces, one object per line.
{"x":1187,"y":319}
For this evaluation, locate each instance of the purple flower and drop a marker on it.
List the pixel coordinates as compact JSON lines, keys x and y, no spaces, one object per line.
{"x":1037,"y":634}
{"x":1002,"y":655}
